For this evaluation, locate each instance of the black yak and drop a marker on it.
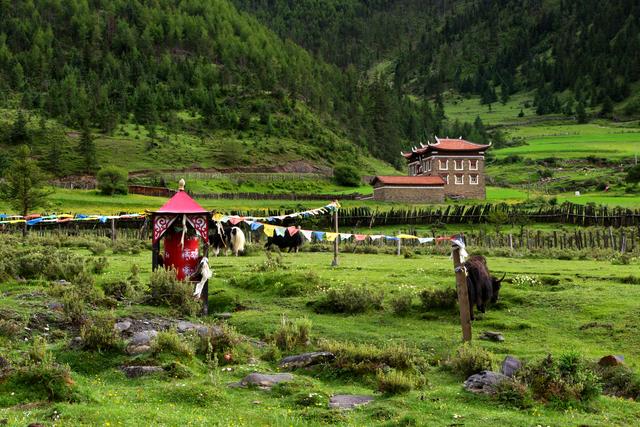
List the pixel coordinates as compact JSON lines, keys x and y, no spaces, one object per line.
{"x":287,"y":241}
{"x":483,"y":288}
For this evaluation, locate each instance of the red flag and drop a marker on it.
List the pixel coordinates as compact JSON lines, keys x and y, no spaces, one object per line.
{"x":292,"y":230}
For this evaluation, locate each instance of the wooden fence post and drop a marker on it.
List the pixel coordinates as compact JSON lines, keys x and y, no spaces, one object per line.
{"x":398,"y":250}
{"x":463,"y":294}
{"x":334,"y":263}
{"x":113,"y":229}
{"x":205,"y":288}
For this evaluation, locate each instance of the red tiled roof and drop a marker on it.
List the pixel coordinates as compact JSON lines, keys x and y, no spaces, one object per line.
{"x":409,"y":180}
{"x":181,"y":202}
{"x":447,"y":144}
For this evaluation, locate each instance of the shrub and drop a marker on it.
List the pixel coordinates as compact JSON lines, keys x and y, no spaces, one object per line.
{"x":565,"y":381}
{"x":514,"y":393}
{"x":346,"y":175}
{"x":319,"y":400}
{"x":100,"y":265}
{"x":169,"y":342}
{"x":97,"y":248}
{"x":112,"y":180}
{"x":73,"y":307}
{"x":470,"y":359}
{"x":125,"y":289}
{"x":166,"y":289}
{"x":219,"y":342}
{"x":402,"y":304}
{"x":9,"y":328}
{"x":619,"y":381}
{"x":176,"y":369}
{"x":439,"y":298}
{"x":293,"y":334}
{"x":84,"y":284}
{"x":396,"y":382}
{"x":350,"y":300}
{"x":550,"y":281}
{"x":99,"y":333}
{"x":362,"y":359}
{"x":631,"y":280}
{"x":284,"y":284}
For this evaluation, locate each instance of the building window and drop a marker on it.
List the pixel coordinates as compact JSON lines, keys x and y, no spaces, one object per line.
{"x":429,"y":165}
{"x":445,"y":178}
{"x":473,"y":179}
{"x":473,"y":165}
{"x":444,"y":164}
{"x":459,"y":179}
{"x":458,"y":165}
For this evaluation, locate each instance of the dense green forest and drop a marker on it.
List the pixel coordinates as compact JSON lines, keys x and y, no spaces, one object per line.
{"x":492,"y":48}
{"x":100,"y":63}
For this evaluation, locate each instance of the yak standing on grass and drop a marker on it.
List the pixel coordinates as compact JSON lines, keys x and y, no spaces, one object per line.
{"x":482,"y":287}
{"x":227,"y":238}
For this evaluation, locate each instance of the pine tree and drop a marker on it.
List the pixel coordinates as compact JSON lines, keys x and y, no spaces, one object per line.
{"x":19,"y":133}
{"x":581,"y":113}
{"x":87,"y":150}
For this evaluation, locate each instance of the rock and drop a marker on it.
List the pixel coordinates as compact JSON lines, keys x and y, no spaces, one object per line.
{"x":143,"y":338}
{"x":348,"y":401}
{"x":306,"y":359}
{"x":265,"y":381}
{"x":484,"y":382}
{"x":492,"y":336}
{"x":139,"y":371}
{"x":611,"y":360}
{"x":122,"y":326}
{"x":510,"y":365}
{"x":184,"y":326}
{"x":76,"y":343}
{"x":138,"y":349}
{"x":62,"y":282}
{"x":222,"y":316}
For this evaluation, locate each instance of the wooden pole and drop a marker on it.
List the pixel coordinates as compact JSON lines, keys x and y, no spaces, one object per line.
{"x":113,"y":229}
{"x":155,"y":250}
{"x":205,"y":288}
{"x":463,"y":294}
{"x":334,"y":263}
{"x":399,"y":246}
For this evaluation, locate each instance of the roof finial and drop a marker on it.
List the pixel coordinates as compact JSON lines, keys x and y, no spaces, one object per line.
{"x":181,"y":184}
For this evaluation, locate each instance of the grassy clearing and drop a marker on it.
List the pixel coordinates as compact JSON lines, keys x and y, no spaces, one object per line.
{"x":584,"y":312}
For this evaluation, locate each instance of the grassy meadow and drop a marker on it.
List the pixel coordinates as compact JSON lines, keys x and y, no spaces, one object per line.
{"x":582,"y":311}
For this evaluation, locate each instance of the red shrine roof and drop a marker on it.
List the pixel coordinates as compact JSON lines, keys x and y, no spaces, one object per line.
{"x":181,"y":202}
{"x":447,"y":144}
{"x":409,"y":180}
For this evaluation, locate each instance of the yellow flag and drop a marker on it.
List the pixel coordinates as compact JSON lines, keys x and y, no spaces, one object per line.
{"x":217,"y":217}
{"x":406,"y":236}
{"x":331,"y":236}
{"x":269,"y":229}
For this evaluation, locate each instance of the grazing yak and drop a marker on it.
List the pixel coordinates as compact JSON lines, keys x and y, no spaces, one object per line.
{"x":227,"y":238}
{"x":483,"y":288}
{"x":287,"y":241}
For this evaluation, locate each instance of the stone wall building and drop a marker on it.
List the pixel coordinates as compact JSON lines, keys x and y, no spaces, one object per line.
{"x":458,"y":163}
{"x":408,"y":189}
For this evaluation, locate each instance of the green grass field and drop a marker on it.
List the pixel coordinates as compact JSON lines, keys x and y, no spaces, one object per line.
{"x":535,"y":320}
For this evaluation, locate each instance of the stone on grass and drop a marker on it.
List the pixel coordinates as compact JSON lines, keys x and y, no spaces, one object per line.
{"x":348,"y":401}
{"x":484,"y":382}
{"x":306,"y":359}
{"x":138,"y":349}
{"x":55,"y":306}
{"x":143,"y":338}
{"x":611,"y":360}
{"x":222,"y":316}
{"x":264,"y":381}
{"x":139,"y":371}
{"x":76,"y":343}
{"x":122,"y":326}
{"x":492,"y":336}
{"x":510,"y":365}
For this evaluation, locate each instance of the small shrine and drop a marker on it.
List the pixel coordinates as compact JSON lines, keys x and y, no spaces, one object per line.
{"x":181,"y":227}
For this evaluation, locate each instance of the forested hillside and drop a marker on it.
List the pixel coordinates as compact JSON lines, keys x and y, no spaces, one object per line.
{"x":491,"y":48}
{"x":102,"y":63}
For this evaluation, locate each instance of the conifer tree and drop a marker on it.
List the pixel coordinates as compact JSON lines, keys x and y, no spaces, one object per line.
{"x":87,"y":150}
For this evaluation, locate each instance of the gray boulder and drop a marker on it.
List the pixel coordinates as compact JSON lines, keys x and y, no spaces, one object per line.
{"x":348,"y":401}
{"x":264,"y":381}
{"x":139,"y":371}
{"x":138,"y":349}
{"x":484,"y":382}
{"x":492,"y":336}
{"x":510,"y":365}
{"x":143,"y":338}
{"x":122,"y":326}
{"x":306,"y":359}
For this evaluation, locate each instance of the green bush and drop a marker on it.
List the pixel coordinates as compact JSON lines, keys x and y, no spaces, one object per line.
{"x":470,"y":359}
{"x":282,"y":283}
{"x":402,"y":304}
{"x":99,"y":333}
{"x":177,"y":370}
{"x":219,"y":341}
{"x":514,"y":393}
{"x":73,"y":307}
{"x":166,"y":290}
{"x":9,"y":328}
{"x":112,"y":180}
{"x":312,"y":399}
{"x":619,"y":381}
{"x":350,"y":300}
{"x":129,"y":289}
{"x":439,"y":299}
{"x":169,"y":342}
{"x":565,"y":381}
{"x":366,"y":359}
{"x":396,"y":382}
{"x":293,"y":334}
{"x":346,"y":175}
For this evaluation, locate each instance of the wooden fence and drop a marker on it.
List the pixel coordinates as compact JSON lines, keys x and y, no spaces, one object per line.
{"x":166,"y":192}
